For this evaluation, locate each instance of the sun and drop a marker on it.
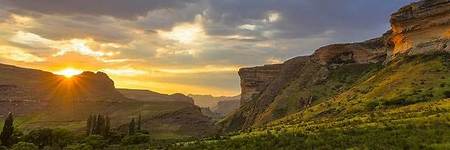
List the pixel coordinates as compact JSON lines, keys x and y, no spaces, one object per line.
{"x":69,"y":72}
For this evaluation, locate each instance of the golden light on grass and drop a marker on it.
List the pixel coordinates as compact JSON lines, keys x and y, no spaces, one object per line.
{"x":69,"y":72}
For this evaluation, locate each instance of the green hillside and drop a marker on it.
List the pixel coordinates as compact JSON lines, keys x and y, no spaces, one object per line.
{"x":403,"y":105}
{"x":155,"y":117}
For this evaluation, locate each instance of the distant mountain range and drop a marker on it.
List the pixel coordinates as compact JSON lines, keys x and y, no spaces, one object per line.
{"x":220,"y":105}
{"x":150,"y":96}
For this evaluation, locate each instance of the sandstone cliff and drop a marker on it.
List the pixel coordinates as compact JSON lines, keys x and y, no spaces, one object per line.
{"x":254,"y":80}
{"x":421,"y":27}
{"x":307,"y":80}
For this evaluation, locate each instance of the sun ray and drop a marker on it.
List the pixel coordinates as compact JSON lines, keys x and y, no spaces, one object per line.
{"x":69,"y":72}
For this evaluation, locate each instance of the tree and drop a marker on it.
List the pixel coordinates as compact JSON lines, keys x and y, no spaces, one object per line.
{"x":132,"y":127}
{"x":100,"y":125}
{"x":94,"y":124}
{"x":89,"y":124}
{"x":8,"y":130}
{"x":107,"y":126}
{"x":139,"y":122}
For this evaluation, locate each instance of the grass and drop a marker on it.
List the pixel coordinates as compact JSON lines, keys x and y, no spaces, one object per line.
{"x":403,"y":105}
{"x":74,"y":118}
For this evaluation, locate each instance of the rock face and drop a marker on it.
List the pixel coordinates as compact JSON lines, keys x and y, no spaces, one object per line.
{"x":421,"y":27}
{"x":254,"y":80}
{"x":90,"y":86}
{"x":268,"y":91}
{"x":370,"y":51}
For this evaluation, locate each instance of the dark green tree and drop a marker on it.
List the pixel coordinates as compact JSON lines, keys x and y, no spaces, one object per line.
{"x":89,"y":124}
{"x":107,"y":126}
{"x":94,"y":124}
{"x":132,"y":127}
{"x":8,"y":130}
{"x":100,"y":125}
{"x":139,"y":122}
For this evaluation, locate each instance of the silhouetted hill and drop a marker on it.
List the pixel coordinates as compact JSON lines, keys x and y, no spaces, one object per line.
{"x":150,"y":96}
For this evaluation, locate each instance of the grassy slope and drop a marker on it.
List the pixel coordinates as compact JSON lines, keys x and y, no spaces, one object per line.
{"x":74,"y":117}
{"x":403,"y":105}
{"x":338,"y":80}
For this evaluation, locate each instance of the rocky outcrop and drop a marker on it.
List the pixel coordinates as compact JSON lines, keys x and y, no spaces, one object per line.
{"x":24,"y":84}
{"x":269,"y":92}
{"x":421,"y":27}
{"x":370,"y":51}
{"x":92,"y":86}
{"x":254,"y":80}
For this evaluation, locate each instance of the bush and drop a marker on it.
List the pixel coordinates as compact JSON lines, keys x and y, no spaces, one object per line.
{"x":447,"y":94}
{"x":96,"y":141}
{"x":40,"y":137}
{"x":24,"y":146}
{"x":50,"y":137}
{"x":136,"y":139}
{"x":79,"y":147}
{"x":372,"y":105}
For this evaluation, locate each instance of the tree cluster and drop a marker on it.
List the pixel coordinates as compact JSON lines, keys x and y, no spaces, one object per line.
{"x":8,"y":130}
{"x":98,"y":125}
{"x":133,"y":127}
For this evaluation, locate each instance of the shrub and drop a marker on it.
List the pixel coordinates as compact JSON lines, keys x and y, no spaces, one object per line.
{"x":372,"y":105}
{"x":24,"y":146}
{"x":135,"y":139}
{"x":79,"y":147}
{"x":447,"y":94}
{"x":96,"y":141}
{"x":40,"y":137}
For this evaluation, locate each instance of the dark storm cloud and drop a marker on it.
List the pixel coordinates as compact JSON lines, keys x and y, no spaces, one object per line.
{"x":127,"y":9}
{"x":303,"y":18}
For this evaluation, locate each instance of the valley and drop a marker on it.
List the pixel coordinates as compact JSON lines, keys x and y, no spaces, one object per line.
{"x":389,"y":92}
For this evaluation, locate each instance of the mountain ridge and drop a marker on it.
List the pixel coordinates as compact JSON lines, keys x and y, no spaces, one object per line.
{"x":304,"y":81}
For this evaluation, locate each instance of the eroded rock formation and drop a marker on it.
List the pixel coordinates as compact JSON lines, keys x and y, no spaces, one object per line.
{"x":254,"y":80}
{"x":418,"y":28}
{"x":421,"y":27}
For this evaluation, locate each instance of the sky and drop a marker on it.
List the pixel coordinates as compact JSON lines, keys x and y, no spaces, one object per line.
{"x":180,"y":46}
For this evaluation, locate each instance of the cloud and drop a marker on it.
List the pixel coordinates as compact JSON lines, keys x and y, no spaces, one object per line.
{"x":16,"y":54}
{"x":80,"y":46}
{"x":185,"y":33}
{"x":302,"y":18}
{"x":206,"y":69}
{"x":99,"y":28}
{"x":247,"y":27}
{"x":116,"y":8}
{"x":181,"y":45}
{"x":128,"y":72}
